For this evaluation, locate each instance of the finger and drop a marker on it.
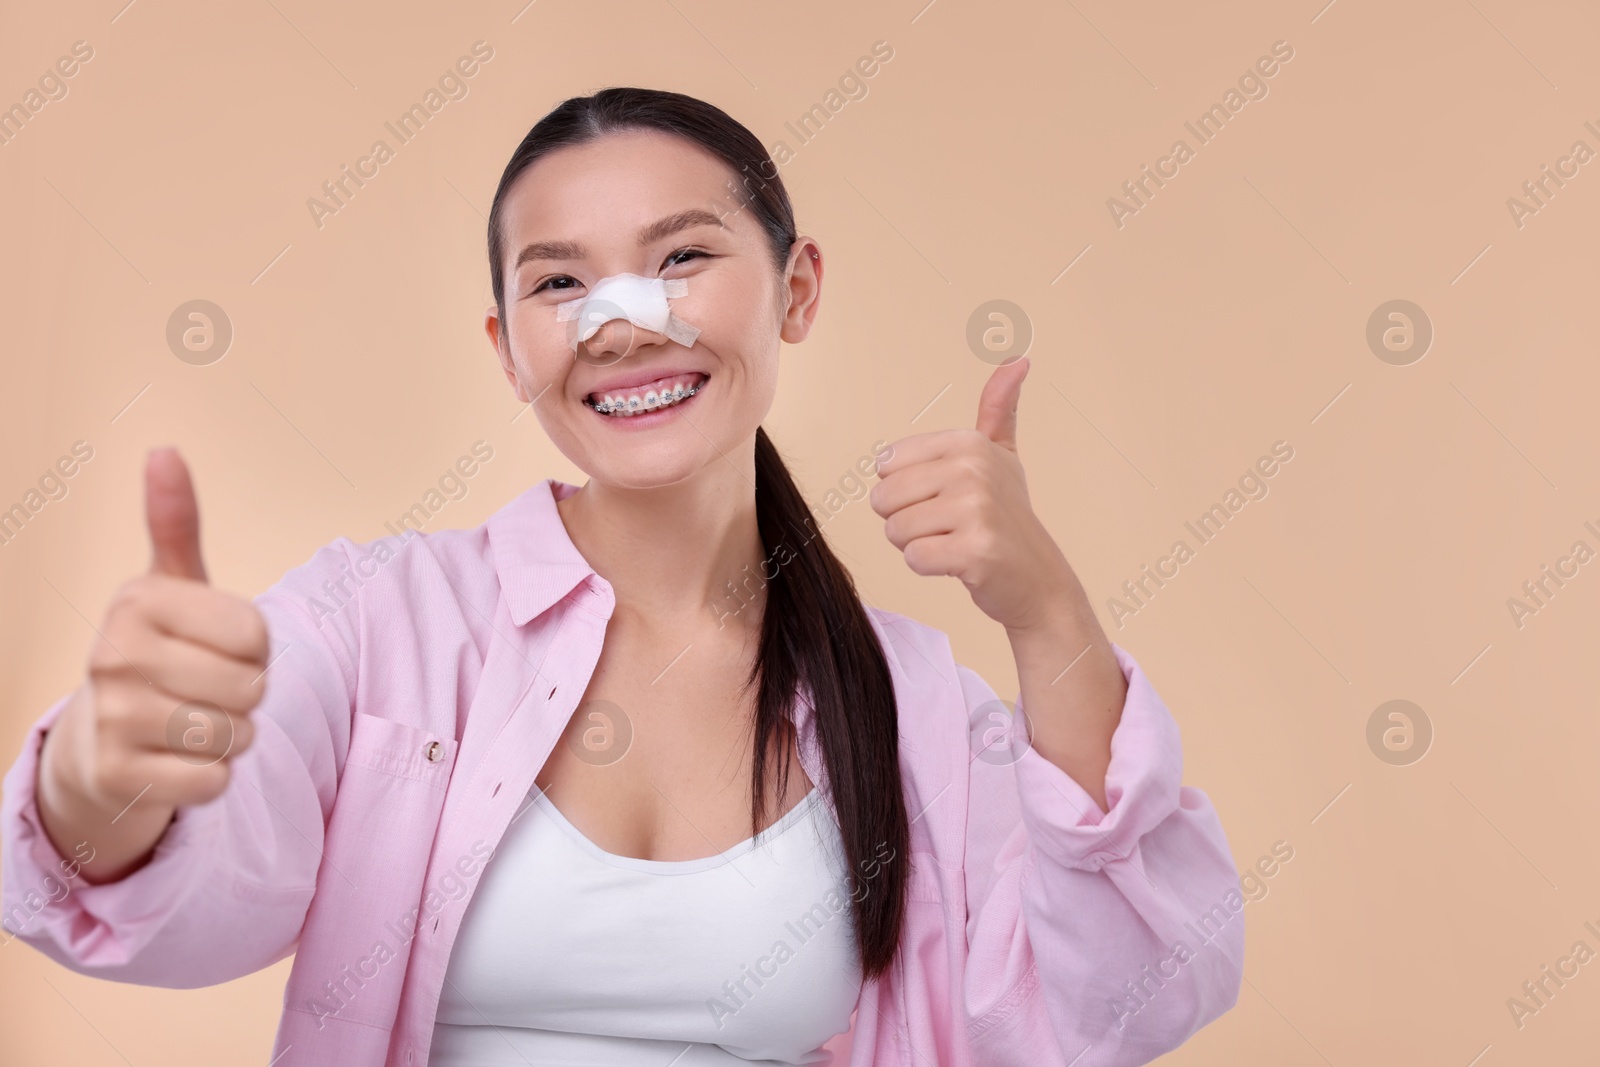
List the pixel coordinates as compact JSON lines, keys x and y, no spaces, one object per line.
{"x":191,"y":672}
{"x":940,"y":554}
{"x":169,"y":781}
{"x":922,"y":481}
{"x":173,"y":516}
{"x":227,"y":624}
{"x":196,"y":732}
{"x":140,"y":719}
{"x":997,"y":404}
{"x":201,"y":736}
{"x":918,"y":448}
{"x":926,"y":519}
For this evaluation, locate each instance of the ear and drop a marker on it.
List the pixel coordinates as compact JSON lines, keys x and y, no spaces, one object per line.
{"x":802,"y":289}
{"x":502,"y":347}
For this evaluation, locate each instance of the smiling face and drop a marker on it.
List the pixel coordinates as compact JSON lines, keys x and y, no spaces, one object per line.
{"x":659,"y":206}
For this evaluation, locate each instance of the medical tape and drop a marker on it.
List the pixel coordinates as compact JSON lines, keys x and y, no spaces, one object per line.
{"x":640,"y":300}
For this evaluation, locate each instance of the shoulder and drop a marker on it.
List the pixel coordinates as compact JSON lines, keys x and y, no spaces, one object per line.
{"x":359,"y":589}
{"x":413,"y":560}
{"x":918,"y":654}
{"x":924,"y":664}
{"x":349,"y":561}
{"x":904,"y":635}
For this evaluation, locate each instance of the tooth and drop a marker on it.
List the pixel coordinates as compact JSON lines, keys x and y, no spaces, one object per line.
{"x":626,"y":405}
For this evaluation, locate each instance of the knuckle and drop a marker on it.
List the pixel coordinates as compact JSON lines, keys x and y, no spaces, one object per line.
{"x":114,"y":780}
{"x":244,"y":733}
{"x":243,"y":624}
{"x":244,"y":692}
{"x":210,"y":781}
{"x":134,"y":596}
{"x":114,"y":711}
{"x":255,"y":633}
{"x":105,"y":658}
{"x":125,"y":597}
{"x":119,"y":772}
{"x":188,"y":783}
{"x":122,"y":652}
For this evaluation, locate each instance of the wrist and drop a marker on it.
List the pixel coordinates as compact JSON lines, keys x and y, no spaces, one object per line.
{"x":1063,"y":613}
{"x":100,"y":838}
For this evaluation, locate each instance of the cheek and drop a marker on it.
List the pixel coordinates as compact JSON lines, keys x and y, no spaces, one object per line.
{"x":757,"y":387}
{"x":743,"y":316}
{"x":538,"y":342}
{"x":731,"y":305}
{"x":746,"y":345}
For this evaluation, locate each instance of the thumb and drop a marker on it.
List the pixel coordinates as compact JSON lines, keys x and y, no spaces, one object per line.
{"x":997,"y":405}
{"x":173,"y":516}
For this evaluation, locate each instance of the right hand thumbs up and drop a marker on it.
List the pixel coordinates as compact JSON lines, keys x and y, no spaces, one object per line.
{"x":173,"y":676}
{"x":173,"y":516}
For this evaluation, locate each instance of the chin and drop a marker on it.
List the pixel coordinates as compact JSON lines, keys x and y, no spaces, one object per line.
{"x":650,"y":465}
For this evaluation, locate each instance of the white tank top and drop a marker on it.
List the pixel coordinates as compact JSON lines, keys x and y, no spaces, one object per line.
{"x":570,"y":955}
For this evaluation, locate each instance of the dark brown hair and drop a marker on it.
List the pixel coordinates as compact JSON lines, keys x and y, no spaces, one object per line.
{"x":815,"y":634}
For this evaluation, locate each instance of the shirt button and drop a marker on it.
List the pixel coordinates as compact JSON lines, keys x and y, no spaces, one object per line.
{"x":434,"y":751}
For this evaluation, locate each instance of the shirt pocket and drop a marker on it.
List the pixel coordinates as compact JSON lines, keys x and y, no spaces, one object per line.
{"x":932,"y":941}
{"x":357,"y":938}
{"x":932,"y":883}
{"x":399,"y":749}
{"x":391,"y":797}
{"x":385,"y":818}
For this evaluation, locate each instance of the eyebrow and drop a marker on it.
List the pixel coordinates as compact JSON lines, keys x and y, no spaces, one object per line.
{"x":652,"y":233}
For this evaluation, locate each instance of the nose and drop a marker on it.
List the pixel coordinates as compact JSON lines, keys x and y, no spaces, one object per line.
{"x":622,"y":313}
{"x":613,"y":340}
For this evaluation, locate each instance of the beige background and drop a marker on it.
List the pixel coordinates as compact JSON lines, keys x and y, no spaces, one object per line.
{"x":1228,"y":314}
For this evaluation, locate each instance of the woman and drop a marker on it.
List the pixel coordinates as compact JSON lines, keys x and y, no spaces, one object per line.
{"x":765,"y":827}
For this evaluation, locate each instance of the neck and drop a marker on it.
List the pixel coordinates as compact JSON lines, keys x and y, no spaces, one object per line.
{"x":670,"y":552}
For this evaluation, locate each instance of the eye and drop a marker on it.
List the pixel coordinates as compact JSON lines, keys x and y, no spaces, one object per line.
{"x":690,"y":252}
{"x":550,"y":282}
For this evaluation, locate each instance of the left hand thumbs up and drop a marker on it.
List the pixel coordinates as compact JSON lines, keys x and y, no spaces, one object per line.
{"x":955,"y":502}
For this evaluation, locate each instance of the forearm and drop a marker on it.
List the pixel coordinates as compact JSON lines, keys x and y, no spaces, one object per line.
{"x":224,"y":892}
{"x":1072,"y":688}
{"x":1101,"y":897}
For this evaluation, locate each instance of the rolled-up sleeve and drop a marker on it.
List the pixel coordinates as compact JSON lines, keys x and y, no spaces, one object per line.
{"x":1101,"y":939}
{"x":227,"y":888}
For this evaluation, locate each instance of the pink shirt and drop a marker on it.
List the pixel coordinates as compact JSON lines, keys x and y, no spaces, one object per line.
{"x":415,"y":690}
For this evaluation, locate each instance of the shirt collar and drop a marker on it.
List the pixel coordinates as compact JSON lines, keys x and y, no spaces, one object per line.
{"x":535,"y":558}
{"x":538,"y":565}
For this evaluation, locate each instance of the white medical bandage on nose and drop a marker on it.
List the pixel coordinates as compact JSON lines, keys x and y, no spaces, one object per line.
{"x":640,"y":300}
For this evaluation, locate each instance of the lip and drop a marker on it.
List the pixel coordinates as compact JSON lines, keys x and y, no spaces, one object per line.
{"x":624,"y":382}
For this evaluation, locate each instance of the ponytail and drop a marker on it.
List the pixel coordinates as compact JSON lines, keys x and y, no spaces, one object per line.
{"x":815,"y":634}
